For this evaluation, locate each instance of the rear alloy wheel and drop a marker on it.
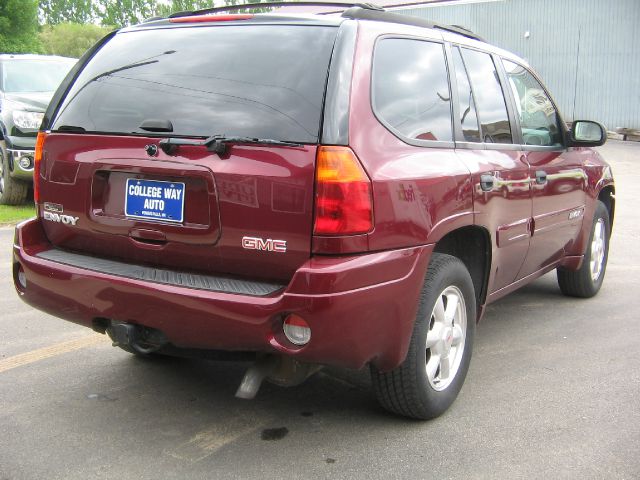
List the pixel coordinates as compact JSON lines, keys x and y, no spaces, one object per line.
{"x":429,"y":379}
{"x":446,"y":338}
{"x":12,"y":191}
{"x":586,"y":281}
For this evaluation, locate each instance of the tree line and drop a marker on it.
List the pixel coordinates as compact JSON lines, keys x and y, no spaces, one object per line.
{"x":69,"y":27}
{"x":117,"y":13}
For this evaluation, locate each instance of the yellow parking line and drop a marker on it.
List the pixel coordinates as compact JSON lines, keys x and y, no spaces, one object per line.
{"x":50,"y":351}
{"x":208,"y":441}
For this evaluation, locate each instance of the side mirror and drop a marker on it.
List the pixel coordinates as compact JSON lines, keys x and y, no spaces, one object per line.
{"x":585,"y":133}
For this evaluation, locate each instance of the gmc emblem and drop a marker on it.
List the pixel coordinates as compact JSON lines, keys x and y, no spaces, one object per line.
{"x":268,"y":245}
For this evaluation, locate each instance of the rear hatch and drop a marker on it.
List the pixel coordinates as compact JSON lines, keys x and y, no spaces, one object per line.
{"x":245,"y":210}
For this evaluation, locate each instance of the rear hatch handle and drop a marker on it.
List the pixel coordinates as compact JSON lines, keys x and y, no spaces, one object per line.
{"x":218,"y":143}
{"x":148,"y":238}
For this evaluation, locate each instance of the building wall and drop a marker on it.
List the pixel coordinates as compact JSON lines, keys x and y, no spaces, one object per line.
{"x":587,"y":51}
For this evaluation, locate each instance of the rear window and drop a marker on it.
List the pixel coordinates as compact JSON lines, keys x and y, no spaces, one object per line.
{"x":260,"y":81}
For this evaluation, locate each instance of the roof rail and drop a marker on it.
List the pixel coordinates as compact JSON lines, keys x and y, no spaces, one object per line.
{"x":356,"y":13}
{"x":319,"y":3}
{"x":352,"y":10}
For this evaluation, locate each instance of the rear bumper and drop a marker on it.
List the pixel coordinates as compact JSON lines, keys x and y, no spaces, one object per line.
{"x":360,"y":308}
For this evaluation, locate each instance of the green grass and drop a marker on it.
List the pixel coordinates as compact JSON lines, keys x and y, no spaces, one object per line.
{"x":10,"y":215}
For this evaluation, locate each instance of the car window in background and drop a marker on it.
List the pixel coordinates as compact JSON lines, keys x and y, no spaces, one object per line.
{"x":411,"y":89}
{"x":538,"y":117}
{"x":468,"y":117}
{"x":21,"y":76}
{"x":492,"y":109}
{"x":266,"y":81}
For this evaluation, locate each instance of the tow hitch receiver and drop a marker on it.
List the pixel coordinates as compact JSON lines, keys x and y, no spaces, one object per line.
{"x":123,"y":334}
{"x":142,"y":340}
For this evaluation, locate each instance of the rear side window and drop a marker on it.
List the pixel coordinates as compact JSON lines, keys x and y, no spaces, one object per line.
{"x":411,"y":89}
{"x":259,"y":81}
{"x":468,"y":117}
{"x":538,"y":117}
{"x":492,"y":109}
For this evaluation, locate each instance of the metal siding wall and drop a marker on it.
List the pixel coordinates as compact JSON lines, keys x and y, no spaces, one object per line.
{"x":587,"y":51}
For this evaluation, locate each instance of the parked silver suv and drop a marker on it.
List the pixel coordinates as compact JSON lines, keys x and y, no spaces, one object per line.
{"x":27,"y":83}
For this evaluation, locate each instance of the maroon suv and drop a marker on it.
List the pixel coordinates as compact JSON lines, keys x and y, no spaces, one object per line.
{"x":343,"y":190}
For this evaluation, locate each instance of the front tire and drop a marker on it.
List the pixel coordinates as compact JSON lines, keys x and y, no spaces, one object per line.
{"x":430,"y":378}
{"x":586,"y":281}
{"x":12,"y":191}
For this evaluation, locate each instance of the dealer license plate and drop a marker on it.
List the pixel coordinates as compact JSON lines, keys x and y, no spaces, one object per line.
{"x":154,"y":200}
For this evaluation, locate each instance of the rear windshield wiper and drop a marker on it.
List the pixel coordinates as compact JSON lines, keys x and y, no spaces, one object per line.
{"x":218,"y":143}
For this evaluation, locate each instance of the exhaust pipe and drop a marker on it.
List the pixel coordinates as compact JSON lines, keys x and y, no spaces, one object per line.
{"x":279,"y":370}
{"x":254,"y":377}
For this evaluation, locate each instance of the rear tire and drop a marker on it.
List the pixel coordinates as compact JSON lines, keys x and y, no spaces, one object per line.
{"x":430,"y":378}
{"x":586,"y":281}
{"x":12,"y":191}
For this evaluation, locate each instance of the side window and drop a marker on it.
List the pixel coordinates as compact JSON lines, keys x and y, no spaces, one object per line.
{"x":538,"y":117}
{"x":492,"y":109}
{"x":468,"y":117}
{"x":411,"y":89}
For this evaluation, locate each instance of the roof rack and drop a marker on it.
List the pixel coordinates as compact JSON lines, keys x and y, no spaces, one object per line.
{"x":319,"y":3}
{"x":384,"y":16}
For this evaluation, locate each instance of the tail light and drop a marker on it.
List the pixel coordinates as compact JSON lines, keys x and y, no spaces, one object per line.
{"x":37,"y":162}
{"x":343,"y":204}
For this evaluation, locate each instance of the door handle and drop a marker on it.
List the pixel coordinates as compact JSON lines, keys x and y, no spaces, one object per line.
{"x":541,"y":177}
{"x":487,"y":182}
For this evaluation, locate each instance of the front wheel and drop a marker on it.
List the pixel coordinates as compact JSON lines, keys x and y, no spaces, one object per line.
{"x":428,"y":381}
{"x":586,"y":281}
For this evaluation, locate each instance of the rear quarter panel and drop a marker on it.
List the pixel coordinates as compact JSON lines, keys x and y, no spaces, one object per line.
{"x":420,"y":193}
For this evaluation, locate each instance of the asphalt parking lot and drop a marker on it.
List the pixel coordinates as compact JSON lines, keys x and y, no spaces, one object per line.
{"x":553,"y":392}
